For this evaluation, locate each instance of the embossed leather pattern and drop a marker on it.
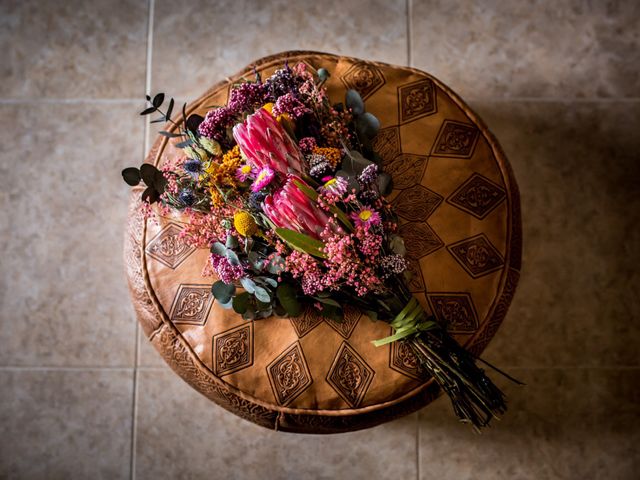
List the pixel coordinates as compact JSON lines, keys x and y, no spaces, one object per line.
{"x":459,"y":209}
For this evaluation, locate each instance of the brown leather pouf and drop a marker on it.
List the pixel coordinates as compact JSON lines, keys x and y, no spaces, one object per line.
{"x":459,"y":209}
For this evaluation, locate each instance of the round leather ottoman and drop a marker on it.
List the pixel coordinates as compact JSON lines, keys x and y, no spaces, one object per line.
{"x":459,"y":208}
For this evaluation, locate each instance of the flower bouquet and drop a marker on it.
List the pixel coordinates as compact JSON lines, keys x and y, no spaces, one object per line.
{"x":286,"y":191}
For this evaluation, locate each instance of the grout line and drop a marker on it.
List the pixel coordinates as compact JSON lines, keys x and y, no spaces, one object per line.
{"x":409,"y":15}
{"x":418,"y":445}
{"x":552,"y":99}
{"x":45,"y":368}
{"x":145,"y":148}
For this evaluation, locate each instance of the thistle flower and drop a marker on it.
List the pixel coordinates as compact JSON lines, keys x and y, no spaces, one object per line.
{"x":366,"y":217}
{"x":265,"y":143}
{"x":263,"y":178}
{"x":187,"y":197}
{"x":290,"y":208}
{"x":193,"y":167}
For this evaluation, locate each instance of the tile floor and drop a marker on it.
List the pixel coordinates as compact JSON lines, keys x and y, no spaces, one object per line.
{"x":82,"y":396}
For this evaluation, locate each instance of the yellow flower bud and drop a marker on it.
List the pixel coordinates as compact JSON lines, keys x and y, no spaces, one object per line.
{"x":244,"y":224}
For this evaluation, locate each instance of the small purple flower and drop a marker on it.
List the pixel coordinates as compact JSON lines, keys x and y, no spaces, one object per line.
{"x":335,"y":187}
{"x":368,"y":176}
{"x":289,"y":104}
{"x":228,"y":273}
{"x":216,"y":122}
{"x":244,"y":172}
{"x":247,"y":96}
{"x":263,"y":178}
{"x":366,"y":217}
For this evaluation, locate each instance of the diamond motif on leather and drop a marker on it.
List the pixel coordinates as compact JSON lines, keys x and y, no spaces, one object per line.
{"x":349,"y":322}
{"x":387,"y":143}
{"x":455,"y":310}
{"x":289,"y":374}
{"x":416,"y":280}
{"x":306,"y":322}
{"x":403,"y":359}
{"x":416,"y":100}
{"x":233,"y":350}
{"x":168,"y":248}
{"x":364,"y":78}
{"x":419,"y":239}
{"x":350,"y":376}
{"x":191,"y":304}
{"x":406,"y":169}
{"x":455,"y":139}
{"x":477,"y":196}
{"x":477,"y":255}
{"x":417,"y":203}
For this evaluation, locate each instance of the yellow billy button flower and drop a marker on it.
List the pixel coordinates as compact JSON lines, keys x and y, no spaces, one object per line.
{"x":244,"y":224}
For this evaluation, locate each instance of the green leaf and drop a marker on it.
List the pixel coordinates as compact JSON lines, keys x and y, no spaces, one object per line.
{"x":233,"y":257}
{"x":323,"y":74}
{"x":219,"y":249}
{"x":301,"y":242}
{"x":276,"y":265}
{"x":368,"y":125}
{"x":232,"y":242}
{"x":241,"y":302}
{"x":270,"y":281}
{"x":286,"y":294}
{"x":227,"y":305}
{"x":150,"y":195}
{"x":354,"y":101}
{"x":157,"y":100}
{"x":262,"y":294}
{"x":223,"y":291}
{"x":148,"y":173}
{"x":248,"y":284}
{"x":334,"y":313}
{"x":327,"y":301}
{"x":169,"y":110}
{"x":131,"y":175}
{"x":373,"y":315}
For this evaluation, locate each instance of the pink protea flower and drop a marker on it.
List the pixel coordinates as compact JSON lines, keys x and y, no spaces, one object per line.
{"x":265,"y":143}
{"x":263,"y":178}
{"x":366,"y":217}
{"x":290,"y":208}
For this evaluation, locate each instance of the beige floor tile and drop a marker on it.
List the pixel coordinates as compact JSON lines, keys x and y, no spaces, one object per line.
{"x":64,"y":299}
{"x":181,"y":434}
{"x":577,"y":167}
{"x":73,"y":48}
{"x":569,"y":424}
{"x":543,"y":48}
{"x":65,"y":424}
{"x":148,"y":356}
{"x":198,"y":43}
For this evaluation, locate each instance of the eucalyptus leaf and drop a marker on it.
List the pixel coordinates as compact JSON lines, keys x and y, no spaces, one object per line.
{"x":286,"y":294}
{"x":159,"y":181}
{"x":164,"y":133}
{"x":232,"y":242}
{"x":169,"y":110}
{"x":250,"y":314}
{"x":148,"y":173}
{"x":233,"y":257}
{"x":270,"y":281}
{"x":368,"y":124}
{"x":248,"y":284}
{"x":323,"y":74}
{"x":223,"y":292}
{"x":219,"y":249}
{"x":193,"y":122}
{"x":131,"y":175}
{"x":353,"y":100}
{"x":227,"y":305}
{"x":276,"y":265}
{"x":147,"y":111}
{"x":385,"y":183}
{"x":157,"y":100}
{"x":241,"y":302}
{"x":396,"y":243}
{"x":150,"y":195}
{"x":262,"y":294}
{"x":327,"y":301}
